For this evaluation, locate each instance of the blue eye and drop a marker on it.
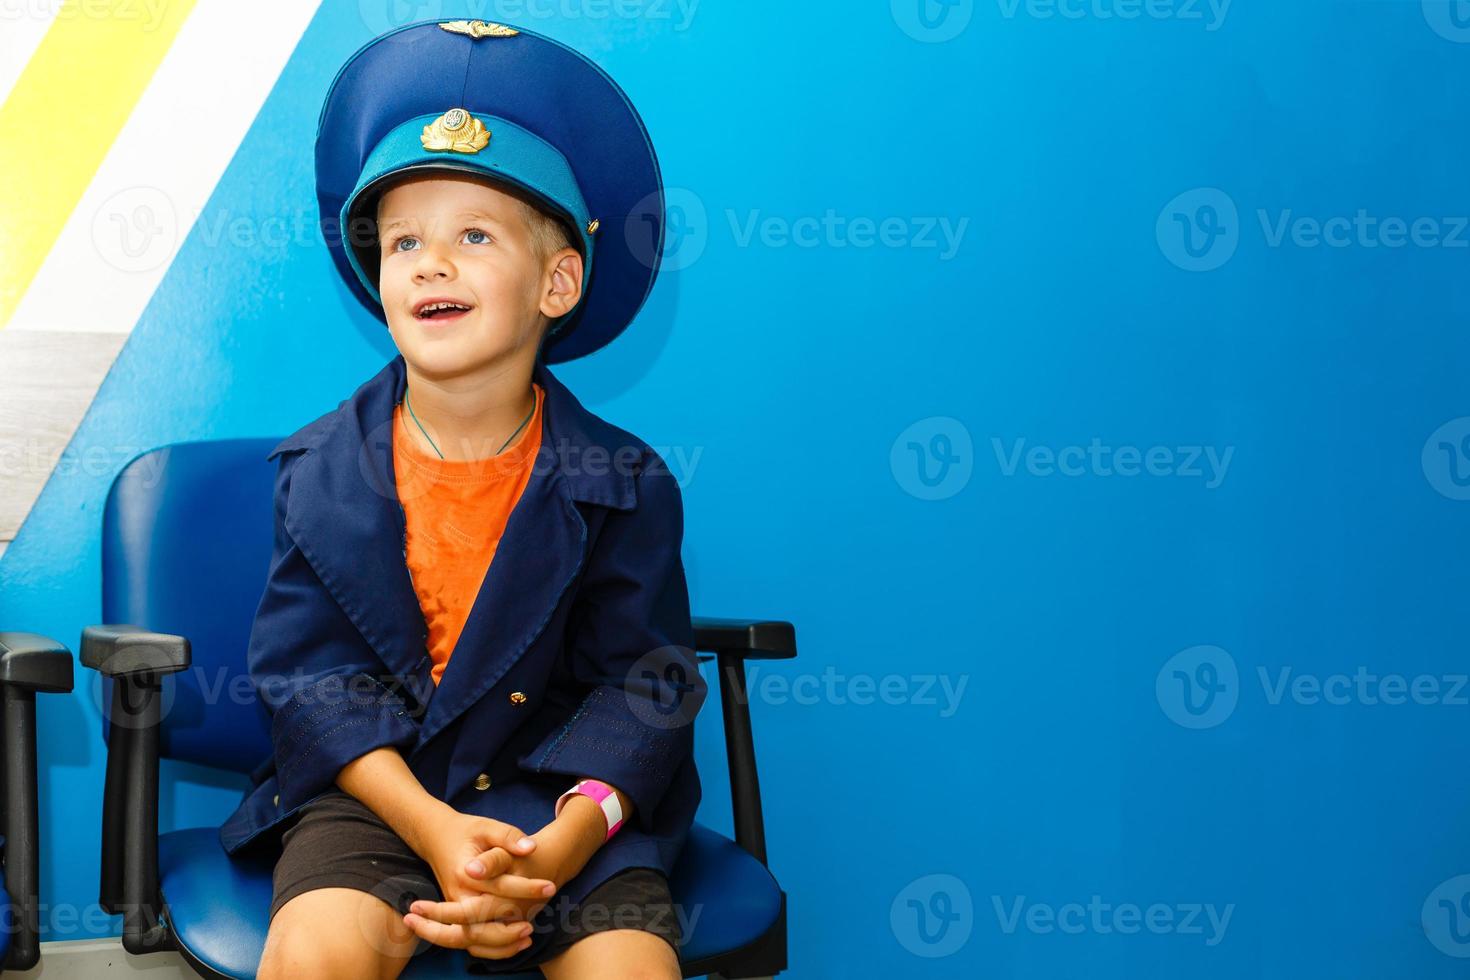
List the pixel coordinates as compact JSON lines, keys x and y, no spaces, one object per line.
{"x":398,"y":245}
{"x":485,"y":239}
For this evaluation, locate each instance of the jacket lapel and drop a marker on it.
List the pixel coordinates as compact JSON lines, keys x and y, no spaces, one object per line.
{"x":345,"y":516}
{"x":539,"y":556}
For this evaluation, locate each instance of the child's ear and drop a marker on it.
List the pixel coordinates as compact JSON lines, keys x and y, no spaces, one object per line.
{"x":565,"y":289}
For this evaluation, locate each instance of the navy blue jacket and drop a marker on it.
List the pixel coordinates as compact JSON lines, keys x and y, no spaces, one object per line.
{"x":576,"y":660}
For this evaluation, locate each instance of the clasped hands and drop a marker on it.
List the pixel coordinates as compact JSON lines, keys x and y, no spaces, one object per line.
{"x":494,"y":879}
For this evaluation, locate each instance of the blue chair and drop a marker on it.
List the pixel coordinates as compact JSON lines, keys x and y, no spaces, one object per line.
{"x":29,"y":665}
{"x":187,"y":535}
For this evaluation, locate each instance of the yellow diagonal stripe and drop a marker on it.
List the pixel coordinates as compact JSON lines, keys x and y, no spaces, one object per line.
{"x":64,"y":113}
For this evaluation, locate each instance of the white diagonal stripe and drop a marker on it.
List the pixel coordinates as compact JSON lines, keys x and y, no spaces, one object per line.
{"x":126,"y":229}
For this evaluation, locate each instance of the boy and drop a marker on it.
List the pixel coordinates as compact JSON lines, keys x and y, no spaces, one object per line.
{"x":476,"y":622}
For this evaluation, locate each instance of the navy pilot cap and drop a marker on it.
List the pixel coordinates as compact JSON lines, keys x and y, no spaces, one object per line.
{"x":517,"y":109}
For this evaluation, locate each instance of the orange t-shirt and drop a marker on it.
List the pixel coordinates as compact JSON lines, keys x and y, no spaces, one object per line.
{"x":456,"y":511}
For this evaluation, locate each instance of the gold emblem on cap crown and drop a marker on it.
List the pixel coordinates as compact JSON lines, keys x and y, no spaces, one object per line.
{"x":457,"y":132}
{"x":478,"y":28}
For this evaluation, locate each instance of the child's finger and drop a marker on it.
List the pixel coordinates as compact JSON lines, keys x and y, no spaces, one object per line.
{"x":460,"y":912}
{"x":488,"y":864}
{"x":457,"y":936}
{"x":516,"y":886}
{"x":512,"y":838}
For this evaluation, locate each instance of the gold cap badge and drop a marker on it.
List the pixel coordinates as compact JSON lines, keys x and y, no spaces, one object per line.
{"x":457,"y":132}
{"x":478,"y":28}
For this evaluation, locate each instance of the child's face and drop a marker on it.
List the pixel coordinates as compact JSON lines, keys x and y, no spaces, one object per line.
{"x":456,"y":238}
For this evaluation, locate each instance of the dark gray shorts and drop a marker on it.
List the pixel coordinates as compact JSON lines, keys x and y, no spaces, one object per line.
{"x":337,"y":842}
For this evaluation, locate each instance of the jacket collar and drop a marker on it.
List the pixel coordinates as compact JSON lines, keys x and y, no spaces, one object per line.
{"x":580,"y":444}
{"x":344,"y":514}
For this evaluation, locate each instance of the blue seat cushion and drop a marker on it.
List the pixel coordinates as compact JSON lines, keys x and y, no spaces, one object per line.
{"x":219,"y":907}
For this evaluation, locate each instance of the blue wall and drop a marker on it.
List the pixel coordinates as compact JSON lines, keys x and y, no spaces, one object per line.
{"x":1086,"y":747}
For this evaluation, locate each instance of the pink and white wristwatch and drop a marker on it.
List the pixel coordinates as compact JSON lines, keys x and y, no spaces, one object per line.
{"x":603,"y":795}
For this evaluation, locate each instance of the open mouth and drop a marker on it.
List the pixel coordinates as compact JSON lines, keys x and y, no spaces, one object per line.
{"x":440,"y":310}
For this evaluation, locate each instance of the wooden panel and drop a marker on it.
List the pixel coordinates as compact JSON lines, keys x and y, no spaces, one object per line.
{"x":48,"y":378}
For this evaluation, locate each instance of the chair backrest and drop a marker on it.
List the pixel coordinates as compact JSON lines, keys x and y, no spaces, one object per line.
{"x":186,"y":545}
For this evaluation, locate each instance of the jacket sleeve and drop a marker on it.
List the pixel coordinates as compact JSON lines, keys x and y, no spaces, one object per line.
{"x":316,"y":675}
{"x":631,"y":638}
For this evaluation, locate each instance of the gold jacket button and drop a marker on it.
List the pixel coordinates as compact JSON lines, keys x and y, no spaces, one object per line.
{"x":276,"y":800}
{"x":482,"y":782}
{"x":516,"y":697}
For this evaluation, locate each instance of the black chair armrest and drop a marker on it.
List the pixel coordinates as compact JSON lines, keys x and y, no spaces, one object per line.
{"x":749,"y":639}
{"x":117,"y":650}
{"x":35,"y":663}
{"x":136,"y":660}
{"x":28,"y":664}
{"x":734,"y":641}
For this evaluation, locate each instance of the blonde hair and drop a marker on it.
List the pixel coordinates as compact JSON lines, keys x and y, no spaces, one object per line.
{"x":548,"y":234}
